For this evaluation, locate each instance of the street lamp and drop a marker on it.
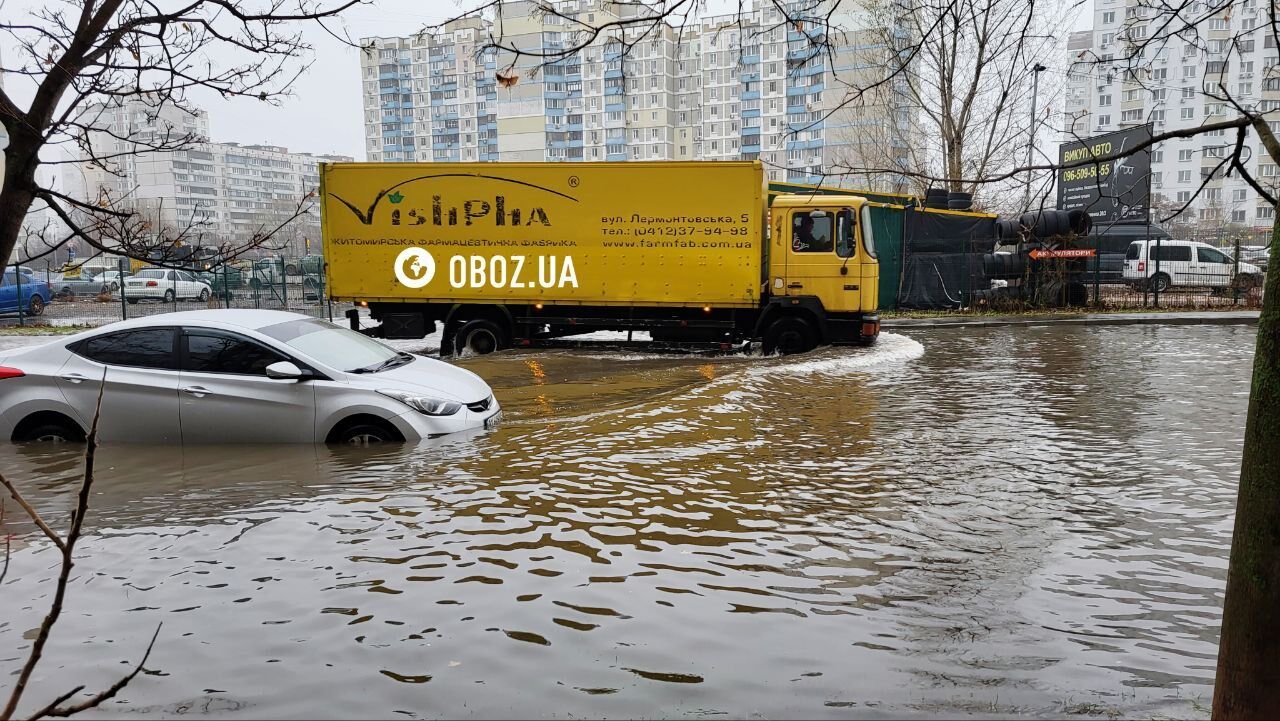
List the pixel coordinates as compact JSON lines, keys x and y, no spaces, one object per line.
{"x":1031,"y":141}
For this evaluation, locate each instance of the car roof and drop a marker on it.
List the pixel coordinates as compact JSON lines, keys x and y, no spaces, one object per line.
{"x":246,"y":318}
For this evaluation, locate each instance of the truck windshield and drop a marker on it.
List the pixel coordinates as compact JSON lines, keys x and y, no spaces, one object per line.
{"x":333,"y":346}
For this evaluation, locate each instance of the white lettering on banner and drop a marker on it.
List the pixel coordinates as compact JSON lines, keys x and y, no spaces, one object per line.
{"x":415,"y":267}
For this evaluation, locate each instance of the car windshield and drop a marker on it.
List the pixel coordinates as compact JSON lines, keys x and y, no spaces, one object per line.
{"x":331,"y":345}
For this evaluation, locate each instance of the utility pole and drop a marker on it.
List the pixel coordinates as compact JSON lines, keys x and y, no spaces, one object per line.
{"x":1031,"y":142}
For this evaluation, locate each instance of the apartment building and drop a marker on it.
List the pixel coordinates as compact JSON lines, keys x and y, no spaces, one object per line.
{"x":730,"y":87}
{"x":227,"y":193}
{"x":1106,"y":92}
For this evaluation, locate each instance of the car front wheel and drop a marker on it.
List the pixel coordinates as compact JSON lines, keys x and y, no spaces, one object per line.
{"x":204,"y":295}
{"x":51,"y":432}
{"x":36,"y":307}
{"x":364,"y":434}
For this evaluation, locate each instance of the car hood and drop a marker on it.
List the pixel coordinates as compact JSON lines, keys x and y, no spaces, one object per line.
{"x":431,"y":377}
{"x":1248,"y":268}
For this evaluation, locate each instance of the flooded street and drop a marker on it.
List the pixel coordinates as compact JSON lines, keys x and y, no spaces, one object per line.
{"x":1023,"y":521}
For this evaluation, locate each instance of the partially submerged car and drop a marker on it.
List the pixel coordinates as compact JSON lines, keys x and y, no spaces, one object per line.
{"x":235,"y":376}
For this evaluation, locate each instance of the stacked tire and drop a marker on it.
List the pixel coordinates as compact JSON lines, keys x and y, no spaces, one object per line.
{"x":1052,"y":223}
{"x":957,"y":200}
{"x":1006,"y":231}
{"x":937,"y":198}
{"x":1004,"y":266}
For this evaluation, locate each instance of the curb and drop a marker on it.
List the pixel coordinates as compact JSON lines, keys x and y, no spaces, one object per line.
{"x":1220,"y":318}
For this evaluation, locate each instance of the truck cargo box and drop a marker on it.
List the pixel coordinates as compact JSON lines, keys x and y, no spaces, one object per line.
{"x":675,"y":234}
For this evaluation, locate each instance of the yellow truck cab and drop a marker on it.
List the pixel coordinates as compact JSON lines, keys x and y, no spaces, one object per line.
{"x":501,"y":255}
{"x":822,"y":257}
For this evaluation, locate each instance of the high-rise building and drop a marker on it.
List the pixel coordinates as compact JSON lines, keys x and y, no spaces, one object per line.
{"x":226,"y":193}
{"x":1106,"y":91}
{"x":744,"y":86}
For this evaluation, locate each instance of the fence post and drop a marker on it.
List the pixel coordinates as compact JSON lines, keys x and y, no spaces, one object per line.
{"x":284,"y":284}
{"x":175,"y":289}
{"x":1097,"y":270}
{"x":1235,"y":273}
{"x":17,"y":278}
{"x":1155,"y":285}
{"x":226,"y":287}
{"x":124,"y":304}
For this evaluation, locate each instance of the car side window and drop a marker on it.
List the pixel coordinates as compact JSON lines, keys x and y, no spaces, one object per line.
{"x":1209,"y":255}
{"x":218,"y":352}
{"x":145,"y":348}
{"x":1171,"y":253}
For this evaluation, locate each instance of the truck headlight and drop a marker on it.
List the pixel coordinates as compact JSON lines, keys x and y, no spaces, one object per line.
{"x":424,"y":404}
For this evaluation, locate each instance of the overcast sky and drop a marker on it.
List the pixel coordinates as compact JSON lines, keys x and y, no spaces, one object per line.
{"x":324,"y":115}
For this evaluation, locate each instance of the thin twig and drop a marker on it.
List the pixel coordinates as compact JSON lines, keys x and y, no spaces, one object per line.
{"x":64,"y":575}
{"x":115,"y":688}
{"x":35,"y":517}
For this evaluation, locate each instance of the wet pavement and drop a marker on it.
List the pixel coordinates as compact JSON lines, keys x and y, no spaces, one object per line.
{"x":985,"y":521}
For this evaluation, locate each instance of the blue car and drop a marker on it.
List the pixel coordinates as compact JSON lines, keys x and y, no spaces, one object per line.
{"x":35,"y":294}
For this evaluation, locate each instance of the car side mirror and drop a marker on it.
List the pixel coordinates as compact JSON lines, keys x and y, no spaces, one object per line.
{"x":285,"y":371}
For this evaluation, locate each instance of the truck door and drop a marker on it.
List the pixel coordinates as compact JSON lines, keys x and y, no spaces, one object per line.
{"x":822,"y":243}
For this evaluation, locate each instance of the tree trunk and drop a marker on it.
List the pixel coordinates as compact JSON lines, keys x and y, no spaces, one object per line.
{"x":1248,"y":679}
{"x":16,"y":195}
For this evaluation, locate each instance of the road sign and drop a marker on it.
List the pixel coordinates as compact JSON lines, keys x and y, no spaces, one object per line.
{"x":1109,"y":190}
{"x":1039,"y":254}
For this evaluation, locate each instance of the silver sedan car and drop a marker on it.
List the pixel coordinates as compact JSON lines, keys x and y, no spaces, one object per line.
{"x":235,"y":376}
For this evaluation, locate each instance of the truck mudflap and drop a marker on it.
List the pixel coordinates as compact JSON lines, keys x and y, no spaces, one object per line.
{"x":862,"y":330}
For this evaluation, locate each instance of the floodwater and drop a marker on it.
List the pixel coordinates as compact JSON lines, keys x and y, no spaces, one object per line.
{"x":1028,"y":521}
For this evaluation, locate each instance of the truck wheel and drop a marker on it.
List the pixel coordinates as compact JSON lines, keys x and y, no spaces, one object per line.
{"x":789,"y":335}
{"x":479,"y":337}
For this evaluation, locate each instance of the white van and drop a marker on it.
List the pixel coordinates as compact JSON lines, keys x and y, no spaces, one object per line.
{"x":1185,"y":263}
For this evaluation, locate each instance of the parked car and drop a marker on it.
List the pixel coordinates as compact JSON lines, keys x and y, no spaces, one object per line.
{"x":64,"y":288}
{"x":30,"y":293}
{"x":267,"y":272}
{"x":165,"y":284}
{"x":306,"y":265}
{"x":112,"y":278}
{"x":223,"y":279}
{"x":1186,"y":263}
{"x":231,"y":376}
{"x":1259,"y":255}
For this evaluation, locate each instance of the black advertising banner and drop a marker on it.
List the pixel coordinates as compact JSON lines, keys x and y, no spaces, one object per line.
{"x":1111,"y":190}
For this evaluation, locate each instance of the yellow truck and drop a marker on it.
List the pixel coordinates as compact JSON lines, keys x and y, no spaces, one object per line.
{"x":505,"y":255}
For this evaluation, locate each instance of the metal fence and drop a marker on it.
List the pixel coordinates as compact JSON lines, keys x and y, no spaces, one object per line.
{"x":981,"y":276}
{"x":101,"y":294}
{"x":974,"y":280}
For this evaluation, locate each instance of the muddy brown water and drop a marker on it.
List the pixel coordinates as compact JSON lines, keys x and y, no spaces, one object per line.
{"x":1028,"y":521}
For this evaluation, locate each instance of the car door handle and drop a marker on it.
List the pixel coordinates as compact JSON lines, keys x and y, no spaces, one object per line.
{"x":796,"y":285}
{"x":196,"y":391}
{"x":73,"y":377}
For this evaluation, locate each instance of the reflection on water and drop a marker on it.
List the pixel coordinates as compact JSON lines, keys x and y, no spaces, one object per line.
{"x":1028,"y":521}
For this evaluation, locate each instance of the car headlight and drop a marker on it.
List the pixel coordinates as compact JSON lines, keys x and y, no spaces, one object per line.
{"x":424,"y":404}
